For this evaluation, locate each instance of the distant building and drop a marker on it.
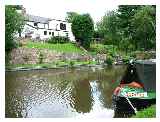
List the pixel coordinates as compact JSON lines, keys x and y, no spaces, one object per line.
{"x":42,"y":28}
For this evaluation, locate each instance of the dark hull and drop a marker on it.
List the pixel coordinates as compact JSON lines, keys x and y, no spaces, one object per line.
{"x":123,"y":109}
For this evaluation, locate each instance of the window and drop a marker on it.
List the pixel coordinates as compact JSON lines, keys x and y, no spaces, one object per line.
{"x":35,"y":24}
{"x":66,"y":34}
{"x":49,"y":33}
{"x":52,"y":33}
{"x":45,"y":32}
{"x":62,"y":26}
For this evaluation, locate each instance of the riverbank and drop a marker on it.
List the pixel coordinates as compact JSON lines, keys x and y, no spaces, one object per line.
{"x":149,"y":112}
{"x":45,"y":54}
{"x":58,"y":64}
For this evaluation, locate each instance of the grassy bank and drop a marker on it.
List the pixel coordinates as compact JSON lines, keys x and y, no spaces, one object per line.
{"x":67,"y":47}
{"x":146,"y":113}
{"x":52,"y":65}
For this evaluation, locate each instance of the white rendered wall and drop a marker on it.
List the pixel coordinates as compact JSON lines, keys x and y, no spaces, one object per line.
{"x":52,"y":25}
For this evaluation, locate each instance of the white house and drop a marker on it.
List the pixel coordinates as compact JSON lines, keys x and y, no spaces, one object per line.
{"x":42,"y":28}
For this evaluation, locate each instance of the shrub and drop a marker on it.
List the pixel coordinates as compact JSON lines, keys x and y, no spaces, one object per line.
{"x":98,"y":48}
{"x":58,"y":39}
{"x":111,"y":50}
{"x":101,"y":51}
{"x":71,"y":63}
{"x":109,"y":60}
{"x":126,"y":59}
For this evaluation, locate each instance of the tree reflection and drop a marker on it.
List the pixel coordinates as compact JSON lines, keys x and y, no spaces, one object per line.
{"x":108,"y":85}
{"x":81,"y":94}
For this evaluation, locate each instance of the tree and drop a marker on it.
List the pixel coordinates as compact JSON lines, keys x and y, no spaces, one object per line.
{"x":83,"y":28}
{"x":13,"y":23}
{"x":131,"y":27}
{"x":108,"y":27}
{"x":144,"y":26}
{"x":125,"y":15}
{"x":70,"y":16}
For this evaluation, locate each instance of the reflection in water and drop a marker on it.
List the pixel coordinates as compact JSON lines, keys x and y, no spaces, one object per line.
{"x":62,"y":92}
{"x":81,"y":94}
{"x":97,"y":111}
{"x":95,"y":96}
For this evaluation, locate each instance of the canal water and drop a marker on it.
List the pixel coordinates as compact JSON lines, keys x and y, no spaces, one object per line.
{"x":84,"y":92}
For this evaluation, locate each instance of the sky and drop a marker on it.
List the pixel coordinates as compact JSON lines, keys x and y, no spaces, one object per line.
{"x":57,"y":9}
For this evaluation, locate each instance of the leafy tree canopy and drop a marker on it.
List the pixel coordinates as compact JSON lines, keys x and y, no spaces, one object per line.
{"x":13,"y":23}
{"x":83,"y":28}
{"x":70,"y":16}
{"x":131,"y":27}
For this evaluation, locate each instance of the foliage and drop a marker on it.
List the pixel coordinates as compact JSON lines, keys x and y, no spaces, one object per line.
{"x":14,"y":23}
{"x":98,"y":48}
{"x":97,"y":34}
{"x":104,"y":49}
{"x":125,"y":14}
{"x":130,"y":28}
{"x":70,"y":16}
{"x":111,"y":50}
{"x":109,"y":60}
{"x":108,"y":28}
{"x":144,"y":27}
{"x":126,"y":59}
{"x":149,"y":112}
{"x":82,"y":28}
{"x":58,"y":39}
{"x":17,"y":7}
{"x":71,"y":63}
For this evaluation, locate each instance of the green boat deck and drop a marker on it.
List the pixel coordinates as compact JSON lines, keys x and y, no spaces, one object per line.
{"x":139,"y":93}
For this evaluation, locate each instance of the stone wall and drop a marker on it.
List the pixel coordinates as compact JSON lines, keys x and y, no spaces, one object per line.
{"x":32,"y":56}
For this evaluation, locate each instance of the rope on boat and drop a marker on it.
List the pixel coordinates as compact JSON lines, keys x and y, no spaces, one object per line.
{"x":135,"y":110}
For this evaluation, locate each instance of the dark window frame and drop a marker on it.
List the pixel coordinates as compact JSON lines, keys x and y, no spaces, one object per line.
{"x":35,"y":24}
{"x":45,"y":32}
{"x":67,"y":34}
{"x":62,"y":26}
{"x":52,"y":33}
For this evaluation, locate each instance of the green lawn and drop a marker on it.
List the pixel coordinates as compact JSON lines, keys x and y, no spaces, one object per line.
{"x":146,"y":113}
{"x":67,"y":47}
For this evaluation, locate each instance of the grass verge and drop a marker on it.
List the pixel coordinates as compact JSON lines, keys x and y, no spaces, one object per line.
{"x":149,"y":112}
{"x":52,"y":65}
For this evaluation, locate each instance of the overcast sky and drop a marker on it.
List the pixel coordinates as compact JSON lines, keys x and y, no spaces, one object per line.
{"x":57,"y":8}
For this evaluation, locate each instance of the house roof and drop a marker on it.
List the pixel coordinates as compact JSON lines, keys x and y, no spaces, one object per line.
{"x":59,"y":20}
{"x":37,"y":19}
